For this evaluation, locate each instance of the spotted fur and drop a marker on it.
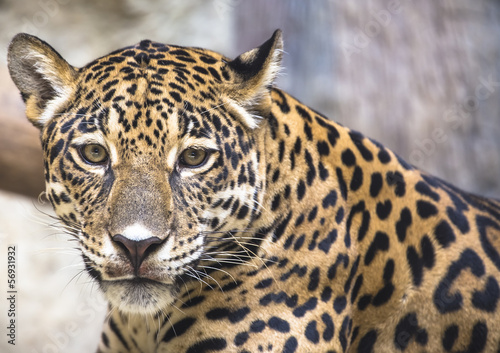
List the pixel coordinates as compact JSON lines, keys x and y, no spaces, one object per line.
{"x":295,"y":234}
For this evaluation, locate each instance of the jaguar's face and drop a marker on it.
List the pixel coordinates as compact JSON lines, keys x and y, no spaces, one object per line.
{"x":150,"y":186}
{"x":150,"y":160}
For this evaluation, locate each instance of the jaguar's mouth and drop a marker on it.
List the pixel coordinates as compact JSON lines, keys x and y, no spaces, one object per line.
{"x":139,"y":295}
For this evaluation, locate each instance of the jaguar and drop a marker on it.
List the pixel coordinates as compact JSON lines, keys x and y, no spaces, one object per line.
{"x":217,"y":213}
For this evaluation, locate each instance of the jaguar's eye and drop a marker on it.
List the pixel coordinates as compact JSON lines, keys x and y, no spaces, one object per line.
{"x":94,"y":154}
{"x":193,"y":157}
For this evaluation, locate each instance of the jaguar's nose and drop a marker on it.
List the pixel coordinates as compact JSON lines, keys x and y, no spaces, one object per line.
{"x":137,"y":251}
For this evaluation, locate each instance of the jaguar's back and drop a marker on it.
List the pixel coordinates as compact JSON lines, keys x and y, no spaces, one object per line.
{"x":220,"y":214}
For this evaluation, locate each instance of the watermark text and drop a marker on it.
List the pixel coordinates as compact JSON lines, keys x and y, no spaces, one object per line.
{"x":11,"y":294}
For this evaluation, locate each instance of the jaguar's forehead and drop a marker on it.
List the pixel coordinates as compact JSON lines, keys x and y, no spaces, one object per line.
{"x":155,"y":62}
{"x":151,"y":92}
{"x":154,"y":74}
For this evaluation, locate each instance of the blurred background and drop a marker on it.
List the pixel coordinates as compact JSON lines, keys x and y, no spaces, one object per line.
{"x":421,"y":77}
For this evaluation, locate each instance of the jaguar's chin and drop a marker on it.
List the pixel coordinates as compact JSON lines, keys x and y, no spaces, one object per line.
{"x":139,"y":295}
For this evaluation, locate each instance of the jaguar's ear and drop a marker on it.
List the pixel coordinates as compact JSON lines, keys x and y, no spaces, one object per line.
{"x":44,"y":78}
{"x":251,"y":76}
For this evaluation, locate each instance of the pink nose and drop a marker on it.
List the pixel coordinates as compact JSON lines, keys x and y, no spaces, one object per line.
{"x":137,"y":251}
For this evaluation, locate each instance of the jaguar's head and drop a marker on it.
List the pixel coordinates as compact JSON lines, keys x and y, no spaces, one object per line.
{"x":151,"y":156}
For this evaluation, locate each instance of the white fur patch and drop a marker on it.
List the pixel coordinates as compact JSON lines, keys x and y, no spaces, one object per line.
{"x":250,"y":120}
{"x":53,"y":106}
{"x":172,"y":157}
{"x":137,"y":232}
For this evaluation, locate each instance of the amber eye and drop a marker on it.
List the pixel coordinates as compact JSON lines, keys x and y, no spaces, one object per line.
{"x":193,"y":157}
{"x":94,"y":154}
